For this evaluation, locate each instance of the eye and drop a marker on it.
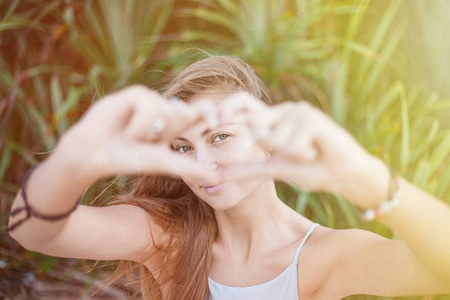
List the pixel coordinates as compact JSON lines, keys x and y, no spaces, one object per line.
{"x":220,"y":137}
{"x":183,"y":149}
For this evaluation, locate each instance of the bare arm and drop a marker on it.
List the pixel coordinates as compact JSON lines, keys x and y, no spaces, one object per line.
{"x":419,"y":263}
{"x":313,"y":152}
{"x":370,"y":264}
{"x":423,"y":223}
{"x":112,"y":138}
{"x":117,"y":232}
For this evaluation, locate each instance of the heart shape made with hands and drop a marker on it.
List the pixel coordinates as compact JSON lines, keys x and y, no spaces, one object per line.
{"x":118,"y":135}
{"x":307,"y":148}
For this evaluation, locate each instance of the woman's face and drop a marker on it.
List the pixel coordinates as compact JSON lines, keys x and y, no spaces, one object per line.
{"x":220,"y":148}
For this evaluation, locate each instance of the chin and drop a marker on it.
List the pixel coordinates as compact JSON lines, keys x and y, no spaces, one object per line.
{"x":219,"y":197}
{"x":221,"y":204}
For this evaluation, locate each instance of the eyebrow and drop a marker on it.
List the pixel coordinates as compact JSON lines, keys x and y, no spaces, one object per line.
{"x":205,"y":132}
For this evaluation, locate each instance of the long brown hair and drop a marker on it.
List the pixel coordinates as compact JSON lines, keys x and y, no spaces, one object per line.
{"x":189,"y":223}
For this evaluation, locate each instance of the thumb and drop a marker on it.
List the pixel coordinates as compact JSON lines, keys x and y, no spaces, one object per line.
{"x":174,"y":164}
{"x":145,"y":158}
{"x":306,"y":176}
{"x":247,"y":170}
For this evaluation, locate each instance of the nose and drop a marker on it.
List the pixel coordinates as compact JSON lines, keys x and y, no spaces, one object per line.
{"x":205,"y":156}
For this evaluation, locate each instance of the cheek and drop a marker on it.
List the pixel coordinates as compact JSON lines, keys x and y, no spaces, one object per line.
{"x":191,"y":181}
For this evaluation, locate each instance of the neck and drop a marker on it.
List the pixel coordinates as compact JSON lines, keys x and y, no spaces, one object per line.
{"x":257,"y":221}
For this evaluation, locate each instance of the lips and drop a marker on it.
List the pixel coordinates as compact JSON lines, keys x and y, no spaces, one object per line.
{"x":212,"y":189}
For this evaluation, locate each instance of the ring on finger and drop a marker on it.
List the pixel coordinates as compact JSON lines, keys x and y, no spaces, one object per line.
{"x":175,"y":101}
{"x":157,"y":126}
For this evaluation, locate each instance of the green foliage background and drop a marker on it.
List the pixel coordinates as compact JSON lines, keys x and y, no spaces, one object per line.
{"x":378,"y":67}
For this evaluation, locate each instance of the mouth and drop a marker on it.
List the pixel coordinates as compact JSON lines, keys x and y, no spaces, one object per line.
{"x":212,"y":189}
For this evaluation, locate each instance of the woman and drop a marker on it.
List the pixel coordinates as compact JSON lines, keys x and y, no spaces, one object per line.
{"x":204,"y":219}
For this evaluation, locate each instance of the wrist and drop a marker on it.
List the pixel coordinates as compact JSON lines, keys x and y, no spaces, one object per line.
{"x":68,"y":171}
{"x":392,"y":200}
{"x":368,"y":183}
{"x":71,"y":155}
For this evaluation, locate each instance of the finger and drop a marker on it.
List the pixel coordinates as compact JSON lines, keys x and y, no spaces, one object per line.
{"x":176,"y":120}
{"x":303,"y":147}
{"x":292,"y":136}
{"x":279,"y":137}
{"x":293,"y":143}
{"x":174,"y":164}
{"x":115,"y":110}
{"x":181,"y":118}
{"x":207,"y":111}
{"x":264,"y":123}
{"x":307,"y":176}
{"x":145,"y":105}
{"x":247,"y":170}
{"x":239,"y":103}
{"x":161,"y":121}
{"x":143,"y":124}
{"x":144,"y":158}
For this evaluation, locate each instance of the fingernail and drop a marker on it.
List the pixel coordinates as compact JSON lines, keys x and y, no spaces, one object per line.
{"x":174,"y":100}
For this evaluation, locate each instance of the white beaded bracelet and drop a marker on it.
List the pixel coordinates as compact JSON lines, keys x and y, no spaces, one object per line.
{"x":388,"y":205}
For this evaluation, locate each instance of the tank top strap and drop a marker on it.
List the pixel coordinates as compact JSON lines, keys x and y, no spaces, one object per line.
{"x":308,"y":233}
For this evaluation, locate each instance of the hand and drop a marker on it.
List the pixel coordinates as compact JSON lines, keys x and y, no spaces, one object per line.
{"x":120,"y":134}
{"x":309,"y":150}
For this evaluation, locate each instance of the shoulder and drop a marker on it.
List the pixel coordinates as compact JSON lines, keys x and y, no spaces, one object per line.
{"x":315,"y":260}
{"x":338,"y":243}
{"x":324,"y":255}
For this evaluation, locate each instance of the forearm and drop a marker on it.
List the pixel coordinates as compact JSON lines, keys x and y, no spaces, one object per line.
{"x":423,"y":223}
{"x":420,"y":220}
{"x":52,"y":189}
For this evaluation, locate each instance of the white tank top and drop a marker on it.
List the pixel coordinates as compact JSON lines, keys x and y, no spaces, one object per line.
{"x":284,"y":286}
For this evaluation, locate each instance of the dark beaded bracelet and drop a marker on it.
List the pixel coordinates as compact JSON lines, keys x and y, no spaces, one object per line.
{"x":31,"y":211}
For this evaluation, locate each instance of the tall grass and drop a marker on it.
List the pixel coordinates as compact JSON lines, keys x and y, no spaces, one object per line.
{"x":118,"y":37}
